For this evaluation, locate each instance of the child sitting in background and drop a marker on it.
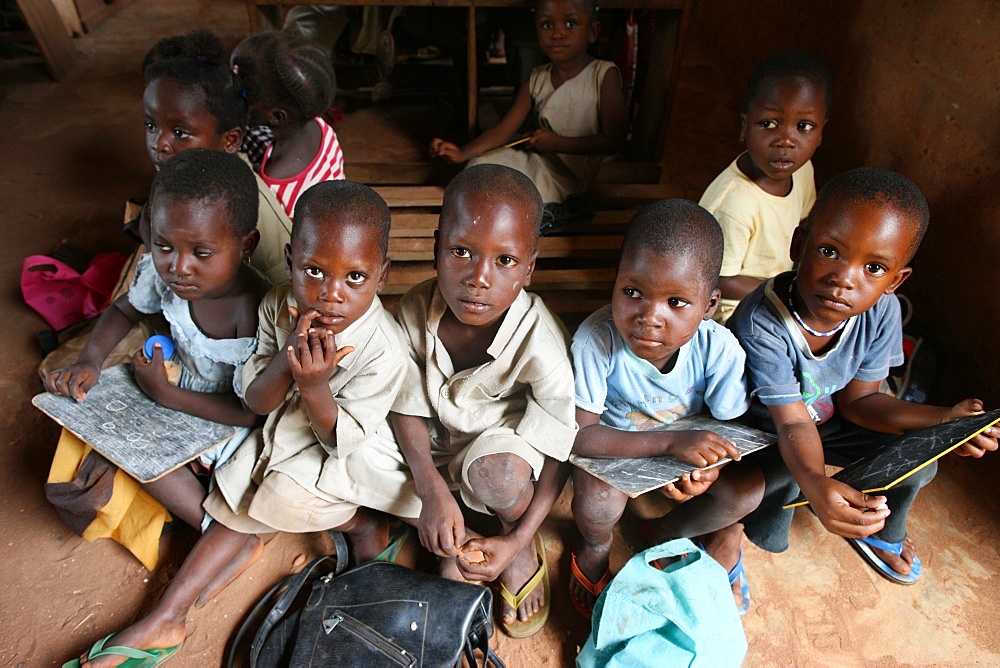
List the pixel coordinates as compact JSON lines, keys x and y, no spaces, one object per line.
{"x":580,"y":107}
{"x":487,"y":405}
{"x":203,"y":209}
{"x":292,"y":82}
{"x":193,"y":100}
{"x":651,"y":357}
{"x":819,"y":340}
{"x":761,"y":197}
{"x":327,"y":364}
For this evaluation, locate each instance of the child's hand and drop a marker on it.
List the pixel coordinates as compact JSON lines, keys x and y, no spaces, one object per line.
{"x":150,"y":374}
{"x":441,"y":526}
{"x":691,"y":484}
{"x":74,"y":380}
{"x":544,"y":141}
{"x":498,"y":552}
{"x":313,"y":354}
{"x":844,"y":510}
{"x":446,"y":150}
{"x":982,"y":443}
{"x":698,"y":447}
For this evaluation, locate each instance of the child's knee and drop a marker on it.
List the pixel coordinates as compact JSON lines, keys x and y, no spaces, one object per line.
{"x":595,"y":502}
{"x":501,"y":480}
{"x":740,"y":488}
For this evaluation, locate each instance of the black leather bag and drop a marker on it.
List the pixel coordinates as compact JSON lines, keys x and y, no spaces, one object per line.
{"x":376,"y":614}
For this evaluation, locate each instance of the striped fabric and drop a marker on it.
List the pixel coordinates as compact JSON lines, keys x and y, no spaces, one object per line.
{"x":326,"y":165}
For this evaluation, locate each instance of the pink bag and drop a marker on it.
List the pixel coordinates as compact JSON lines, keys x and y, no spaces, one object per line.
{"x":63,"y":296}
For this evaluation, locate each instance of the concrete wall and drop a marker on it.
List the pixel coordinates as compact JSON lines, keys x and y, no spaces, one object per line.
{"x":917,"y":90}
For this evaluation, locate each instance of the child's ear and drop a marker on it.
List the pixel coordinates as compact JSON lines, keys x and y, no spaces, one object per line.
{"x":713,"y":304}
{"x":531,"y":269}
{"x":743,"y":128}
{"x":798,"y":237}
{"x":249,"y":243}
{"x":901,"y":276}
{"x":277,"y":116}
{"x":595,"y":31}
{"x":232,"y":140}
{"x":383,"y":274}
{"x":435,"y":264}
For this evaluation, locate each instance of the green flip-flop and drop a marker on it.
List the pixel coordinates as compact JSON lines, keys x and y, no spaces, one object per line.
{"x":136,"y":658}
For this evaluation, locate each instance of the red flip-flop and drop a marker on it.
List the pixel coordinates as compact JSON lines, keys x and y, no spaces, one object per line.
{"x":594,"y":588}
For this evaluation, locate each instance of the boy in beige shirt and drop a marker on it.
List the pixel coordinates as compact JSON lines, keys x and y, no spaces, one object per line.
{"x":487,"y":406}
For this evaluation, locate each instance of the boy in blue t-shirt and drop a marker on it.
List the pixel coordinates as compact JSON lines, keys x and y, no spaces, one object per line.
{"x":652,"y":356}
{"x":819,"y":341}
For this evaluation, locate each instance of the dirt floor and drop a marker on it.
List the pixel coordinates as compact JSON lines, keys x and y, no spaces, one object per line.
{"x":74,"y":153}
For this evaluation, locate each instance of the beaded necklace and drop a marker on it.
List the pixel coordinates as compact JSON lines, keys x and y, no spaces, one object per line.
{"x":801,"y":322}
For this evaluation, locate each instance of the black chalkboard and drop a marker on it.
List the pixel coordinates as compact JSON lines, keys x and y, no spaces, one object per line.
{"x":908,"y":453}
{"x":137,"y":434}
{"x":635,"y":476}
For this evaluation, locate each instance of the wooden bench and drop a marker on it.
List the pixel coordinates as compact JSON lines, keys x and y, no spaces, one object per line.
{"x":575,"y":270}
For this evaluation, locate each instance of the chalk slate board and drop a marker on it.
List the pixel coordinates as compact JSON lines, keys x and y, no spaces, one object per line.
{"x":635,"y":476}
{"x":906,"y":454}
{"x":137,"y":434}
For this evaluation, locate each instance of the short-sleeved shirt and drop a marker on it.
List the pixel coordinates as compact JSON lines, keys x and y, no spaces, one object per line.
{"x":756,"y":225}
{"x":783,"y":370}
{"x":528,"y":382}
{"x":631,"y":394}
{"x":326,"y":165}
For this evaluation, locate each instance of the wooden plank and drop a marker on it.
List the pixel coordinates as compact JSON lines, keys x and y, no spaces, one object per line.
{"x":403,"y":276}
{"x":50,"y":34}
{"x":631,"y":194}
{"x":422,"y":173}
{"x":411,"y":195}
{"x":409,"y":249}
{"x":411,"y":224}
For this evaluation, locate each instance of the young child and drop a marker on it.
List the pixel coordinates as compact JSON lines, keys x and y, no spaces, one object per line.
{"x":203,"y":210}
{"x":580,"y":106}
{"x":325,"y":371}
{"x":819,"y":340}
{"x":487,"y":405}
{"x":291,"y":82}
{"x":651,"y":357}
{"x":193,"y":100}
{"x":761,"y":197}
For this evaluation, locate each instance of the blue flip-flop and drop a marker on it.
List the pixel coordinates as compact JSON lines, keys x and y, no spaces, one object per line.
{"x":864,"y":548}
{"x":739,"y":574}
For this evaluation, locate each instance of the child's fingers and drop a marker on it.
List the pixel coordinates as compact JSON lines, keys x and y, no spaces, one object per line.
{"x":341,"y":353}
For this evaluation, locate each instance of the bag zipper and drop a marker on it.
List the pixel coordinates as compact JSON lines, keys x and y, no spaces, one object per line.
{"x":387,"y":647}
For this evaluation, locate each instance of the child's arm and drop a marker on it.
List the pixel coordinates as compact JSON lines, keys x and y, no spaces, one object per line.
{"x":863,"y":404}
{"x":496,"y":136}
{"x":500,"y":551}
{"x":111,"y":327}
{"x":613,"y":125}
{"x":225,"y":407}
{"x":737,"y":287}
{"x":698,"y":447}
{"x":842,"y":509}
{"x":441,"y":526}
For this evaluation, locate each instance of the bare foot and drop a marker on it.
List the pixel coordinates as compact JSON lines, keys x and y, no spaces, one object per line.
{"x":448,"y":569}
{"x":593,"y":562}
{"x":901,"y":563}
{"x":148,"y":633}
{"x":514,"y":578}
{"x":252,"y":548}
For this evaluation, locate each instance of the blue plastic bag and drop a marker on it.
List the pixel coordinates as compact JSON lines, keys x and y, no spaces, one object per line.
{"x":683,"y":615}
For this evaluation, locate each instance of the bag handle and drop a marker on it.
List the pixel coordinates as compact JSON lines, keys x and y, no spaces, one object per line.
{"x":292,"y":584}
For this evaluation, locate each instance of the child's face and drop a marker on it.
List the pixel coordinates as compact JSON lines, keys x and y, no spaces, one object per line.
{"x":484,"y":254}
{"x":177,"y":119}
{"x":658,"y":303}
{"x":565,"y":28}
{"x":783,"y":127}
{"x":850,"y":255}
{"x":336,"y":267}
{"x":194,"y":249}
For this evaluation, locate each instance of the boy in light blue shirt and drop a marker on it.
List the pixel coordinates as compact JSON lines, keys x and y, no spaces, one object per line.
{"x":652,"y":356}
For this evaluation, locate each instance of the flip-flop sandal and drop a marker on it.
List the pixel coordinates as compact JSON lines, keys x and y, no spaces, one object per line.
{"x":739,"y":574}
{"x":398,"y":533}
{"x":136,"y":658}
{"x":593,"y":588}
{"x":864,"y":548}
{"x":534,"y":624}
